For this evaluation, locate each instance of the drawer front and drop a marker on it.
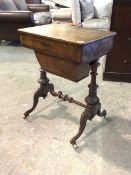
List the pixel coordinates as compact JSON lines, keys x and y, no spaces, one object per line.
{"x":122,"y":42}
{"x":51,"y":47}
{"x":118,"y":61}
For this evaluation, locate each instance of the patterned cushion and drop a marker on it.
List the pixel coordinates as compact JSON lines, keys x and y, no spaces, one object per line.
{"x":7,"y":5}
{"x":21,"y":4}
{"x":87,"y":10}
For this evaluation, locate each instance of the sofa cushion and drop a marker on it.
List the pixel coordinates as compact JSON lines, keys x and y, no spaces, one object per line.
{"x":87,"y":10}
{"x":41,"y":18}
{"x":21,"y":4}
{"x":7,"y":5}
{"x":102,"y":23}
{"x":102,"y":8}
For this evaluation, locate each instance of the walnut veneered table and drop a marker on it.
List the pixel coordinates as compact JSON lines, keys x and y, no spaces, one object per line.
{"x":70,"y":52}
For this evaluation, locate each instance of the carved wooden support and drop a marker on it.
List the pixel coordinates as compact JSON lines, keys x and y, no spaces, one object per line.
{"x":92,"y":106}
{"x":45,"y":87}
{"x":67,"y":98}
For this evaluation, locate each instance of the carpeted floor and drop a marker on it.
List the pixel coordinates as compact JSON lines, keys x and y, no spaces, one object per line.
{"x":40,"y":145}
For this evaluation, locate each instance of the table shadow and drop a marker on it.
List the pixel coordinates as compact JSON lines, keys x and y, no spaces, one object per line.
{"x":115,"y":142}
{"x":114,"y":134}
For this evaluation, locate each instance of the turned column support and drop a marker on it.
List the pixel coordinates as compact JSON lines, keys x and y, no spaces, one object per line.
{"x":93,"y":105}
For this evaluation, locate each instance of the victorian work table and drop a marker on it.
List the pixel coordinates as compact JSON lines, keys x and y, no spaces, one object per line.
{"x":70,"y":52}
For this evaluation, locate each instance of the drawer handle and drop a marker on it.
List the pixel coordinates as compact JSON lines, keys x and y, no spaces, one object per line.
{"x":126,"y":62}
{"x":129,"y":39}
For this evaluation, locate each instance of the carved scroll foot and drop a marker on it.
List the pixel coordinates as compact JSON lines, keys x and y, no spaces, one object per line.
{"x":102,"y":113}
{"x":45,"y":87}
{"x":39,"y":93}
{"x":86,"y":115}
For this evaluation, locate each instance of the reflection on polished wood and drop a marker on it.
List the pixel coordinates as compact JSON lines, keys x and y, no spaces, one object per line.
{"x":70,"y":52}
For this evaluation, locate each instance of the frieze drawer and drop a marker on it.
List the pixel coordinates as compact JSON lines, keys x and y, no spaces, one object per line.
{"x":50,"y":47}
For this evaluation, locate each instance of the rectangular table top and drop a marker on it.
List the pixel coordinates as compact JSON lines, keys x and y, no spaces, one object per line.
{"x":66,"y":33}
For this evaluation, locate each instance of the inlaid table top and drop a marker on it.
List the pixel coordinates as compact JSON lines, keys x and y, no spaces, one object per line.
{"x":67,"y":33}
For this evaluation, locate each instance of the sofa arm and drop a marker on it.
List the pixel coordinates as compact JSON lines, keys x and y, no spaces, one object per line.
{"x":61,"y":15}
{"x":38,"y":7}
{"x":16,"y":16}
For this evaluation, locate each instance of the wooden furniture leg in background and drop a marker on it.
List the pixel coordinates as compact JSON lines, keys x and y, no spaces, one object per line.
{"x":93,"y":104}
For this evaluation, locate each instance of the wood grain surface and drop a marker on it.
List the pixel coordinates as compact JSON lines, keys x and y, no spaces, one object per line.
{"x":67,"y":33}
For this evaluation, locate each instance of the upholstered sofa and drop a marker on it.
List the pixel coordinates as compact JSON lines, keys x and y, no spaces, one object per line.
{"x":101,"y":15}
{"x":15,"y":14}
{"x":99,"y":19}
